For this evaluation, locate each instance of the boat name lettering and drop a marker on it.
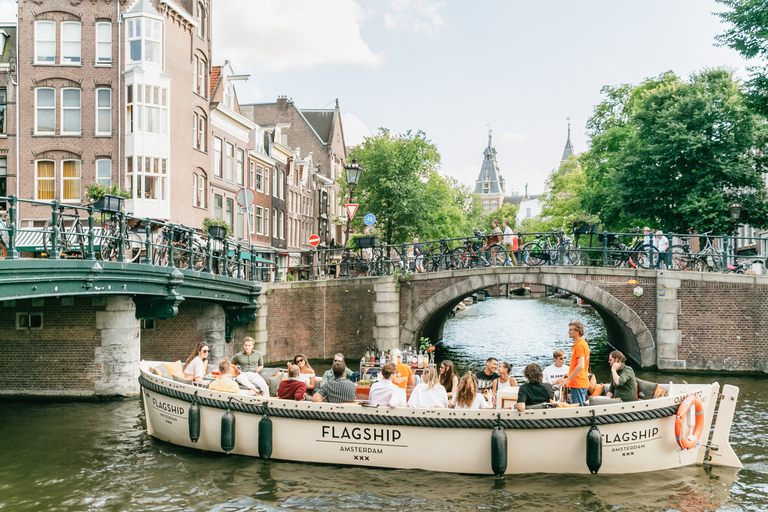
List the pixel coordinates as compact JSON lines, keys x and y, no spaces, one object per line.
{"x":680,"y":398}
{"x":360,"y":449}
{"x":175,"y":409}
{"x":362,"y":434}
{"x":627,"y":448}
{"x":634,"y":435}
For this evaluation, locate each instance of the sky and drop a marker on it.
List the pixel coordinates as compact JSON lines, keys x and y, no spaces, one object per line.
{"x":456,"y":69}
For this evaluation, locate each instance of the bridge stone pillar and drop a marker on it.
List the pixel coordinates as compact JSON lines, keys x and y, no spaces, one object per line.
{"x":258,"y":329}
{"x":212,"y":323}
{"x":668,"y":336}
{"x":120,"y":349}
{"x":386,"y":307}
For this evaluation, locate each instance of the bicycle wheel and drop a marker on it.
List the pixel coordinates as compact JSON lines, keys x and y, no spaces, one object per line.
{"x":613,"y":255}
{"x":108,"y":244}
{"x":159,"y":254}
{"x":648,"y":257}
{"x":679,"y":258}
{"x":48,"y":237}
{"x":133,"y":247}
{"x":180,"y":255}
{"x":461,"y":257}
{"x":533,"y":254}
{"x":79,"y":240}
{"x":572,"y":256}
{"x":497,"y":255}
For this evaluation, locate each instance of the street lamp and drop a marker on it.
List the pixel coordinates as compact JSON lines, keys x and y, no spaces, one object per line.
{"x":353,"y":170}
{"x":735,"y":212}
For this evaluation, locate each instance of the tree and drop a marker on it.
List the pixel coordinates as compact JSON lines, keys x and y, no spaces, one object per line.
{"x":563,"y":192}
{"x":675,"y":154}
{"x":394,"y":183}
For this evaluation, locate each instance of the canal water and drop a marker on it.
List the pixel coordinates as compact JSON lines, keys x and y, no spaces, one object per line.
{"x":97,"y":456}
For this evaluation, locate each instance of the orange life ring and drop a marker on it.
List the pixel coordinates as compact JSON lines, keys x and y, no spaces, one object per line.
{"x":691,"y":440}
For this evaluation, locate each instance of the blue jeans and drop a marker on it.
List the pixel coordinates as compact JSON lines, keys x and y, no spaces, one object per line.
{"x":578,"y":395}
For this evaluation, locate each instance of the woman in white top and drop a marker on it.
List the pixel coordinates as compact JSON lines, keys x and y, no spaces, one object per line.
{"x":429,"y":393}
{"x":505,"y":381}
{"x":467,"y":397}
{"x":448,"y":377}
{"x":197,"y":363}
{"x":306,"y":373}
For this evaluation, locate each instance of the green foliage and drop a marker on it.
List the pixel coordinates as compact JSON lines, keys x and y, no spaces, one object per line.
{"x":563,"y":196}
{"x":214,"y":221}
{"x":484,"y":219}
{"x":674,"y":154}
{"x":94,"y":192}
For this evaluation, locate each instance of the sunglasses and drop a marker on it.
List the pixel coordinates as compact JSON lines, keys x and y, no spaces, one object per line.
{"x":204,"y":351}
{"x":298,"y":360}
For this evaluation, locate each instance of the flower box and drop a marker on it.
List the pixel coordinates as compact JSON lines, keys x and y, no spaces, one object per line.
{"x":365,"y":242}
{"x":584,"y":228}
{"x":217,"y":232}
{"x":109,"y":203}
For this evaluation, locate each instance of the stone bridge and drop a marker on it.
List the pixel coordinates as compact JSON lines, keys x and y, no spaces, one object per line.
{"x":682,"y":320}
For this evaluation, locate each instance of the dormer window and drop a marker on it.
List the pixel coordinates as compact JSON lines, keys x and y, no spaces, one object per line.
{"x":144,"y":40}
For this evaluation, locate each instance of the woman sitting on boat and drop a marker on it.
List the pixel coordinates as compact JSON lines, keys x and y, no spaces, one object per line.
{"x":429,"y":393}
{"x":466,"y":396}
{"x":534,"y":391}
{"x":306,"y":373}
{"x":505,"y":381}
{"x":197,"y":363}
{"x":448,"y":378}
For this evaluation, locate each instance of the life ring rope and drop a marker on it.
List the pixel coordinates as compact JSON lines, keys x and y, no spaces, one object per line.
{"x":687,"y":442}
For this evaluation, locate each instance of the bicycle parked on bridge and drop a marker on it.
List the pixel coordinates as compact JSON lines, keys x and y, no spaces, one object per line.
{"x":638,"y":254}
{"x":708,"y":259}
{"x":542,"y":251}
{"x":110,"y":241}
{"x":71,"y":239}
{"x":476,"y":252}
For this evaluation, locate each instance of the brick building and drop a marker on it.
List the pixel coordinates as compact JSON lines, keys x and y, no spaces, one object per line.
{"x":8,"y":93}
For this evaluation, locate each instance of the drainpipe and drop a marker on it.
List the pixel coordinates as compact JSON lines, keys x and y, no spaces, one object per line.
{"x":119,"y":98}
{"x":18,"y":131}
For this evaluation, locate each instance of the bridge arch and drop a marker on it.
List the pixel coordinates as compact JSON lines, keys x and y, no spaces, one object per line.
{"x":627,"y":331}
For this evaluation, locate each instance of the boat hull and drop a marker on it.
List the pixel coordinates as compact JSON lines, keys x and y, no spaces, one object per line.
{"x":636,"y":437}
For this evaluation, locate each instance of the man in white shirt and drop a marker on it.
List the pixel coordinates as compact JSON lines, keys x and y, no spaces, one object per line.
{"x":385,"y":392}
{"x":661,"y":243}
{"x":510,"y":242}
{"x":557,"y":370}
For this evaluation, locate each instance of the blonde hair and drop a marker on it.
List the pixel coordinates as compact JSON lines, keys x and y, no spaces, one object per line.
{"x":465,"y":394}
{"x":430,"y":377}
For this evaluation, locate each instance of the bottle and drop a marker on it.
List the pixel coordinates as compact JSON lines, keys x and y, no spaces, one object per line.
{"x":367,"y":356}
{"x":420,"y":360}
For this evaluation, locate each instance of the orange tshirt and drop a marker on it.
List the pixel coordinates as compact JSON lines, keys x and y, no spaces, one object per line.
{"x":580,"y":349}
{"x":403,"y":373}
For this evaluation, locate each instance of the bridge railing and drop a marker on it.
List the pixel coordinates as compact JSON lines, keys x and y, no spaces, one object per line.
{"x":123,"y":237}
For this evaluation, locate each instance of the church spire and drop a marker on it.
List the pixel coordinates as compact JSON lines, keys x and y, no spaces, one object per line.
{"x":568,"y":151}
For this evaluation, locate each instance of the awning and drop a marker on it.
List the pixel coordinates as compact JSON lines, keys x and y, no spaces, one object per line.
{"x":31,"y":240}
{"x":247,"y":256}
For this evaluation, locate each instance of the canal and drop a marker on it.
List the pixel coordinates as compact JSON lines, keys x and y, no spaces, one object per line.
{"x":97,"y":456}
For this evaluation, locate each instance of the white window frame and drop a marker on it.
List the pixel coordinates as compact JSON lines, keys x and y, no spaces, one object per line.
{"x":202,"y":190}
{"x":218,"y":162}
{"x":101,"y":43}
{"x":38,"y":179}
{"x":79,"y":110}
{"x":99,"y":178}
{"x":200,"y":16}
{"x":266,"y":221}
{"x":28,"y":315}
{"x":156,"y":38}
{"x":79,"y":180}
{"x":130,"y":38}
{"x":38,"y":108}
{"x":259,"y":223}
{"x":229,"y":162}
{"x":201,"y":73}
{"x":240,"y":169}
{"x":194,"y":189}
{"x":202,"y":131}
{"x":38,"y":55}
{"x":100,"y":109}
{"x":76,"y":59}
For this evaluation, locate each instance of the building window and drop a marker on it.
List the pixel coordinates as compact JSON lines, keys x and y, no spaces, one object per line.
{"x":103,"y":43}
{"x":104,"y":172}
{"x":199,"y":131}
{"x":251,"y":174}
{"x":201,"y":20}
{"x":217,"y":204}
{"x":103,"y":111}
{"x":70,"y":42}
{"x":240,"y":164}
{"x":217,"y":157}
{"x":281,"y":225}
{"x":274,"y":224}
{"x":45,"y":180}
{"x":259,"y":178}
{"x":129,"y":175}
{"x":274,"y":182}
{"x":230,"y":212}
{"x":528,"y":213}
{"x":70,"y":181}
{"x":266,"y":221}
{"x":70,"y":111}
{"x":45,"y":42}
{"x":129,"y":109}
{"x":29,"y":320}
{"x":200,"y":85}
{"x":150,"y":39}
{"x":45,"y":110}
{"x":147,"y":324}
{"x":252,"y":219}
{"x":201,"y":191}
{"x":3,"y":103}
{"x":493,"y":205}
{"x":230,"y":169}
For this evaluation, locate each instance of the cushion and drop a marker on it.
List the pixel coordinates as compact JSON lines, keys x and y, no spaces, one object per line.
{"x":603,"y":400}
{"x":274,"y":382}
{"x":161,"y":371}
{"x":179,"y":378}
{"x":173,"y":368}
{"x":268,"y":373}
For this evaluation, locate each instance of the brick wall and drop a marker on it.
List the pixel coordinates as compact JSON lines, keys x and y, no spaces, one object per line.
{"x":55,"y":360}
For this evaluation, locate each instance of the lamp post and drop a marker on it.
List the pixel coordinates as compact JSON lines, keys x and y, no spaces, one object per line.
{"x":734,"y":211}
{"x":353,"y":170}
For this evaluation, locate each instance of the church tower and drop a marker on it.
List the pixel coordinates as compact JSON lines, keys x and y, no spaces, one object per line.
{"x":568,"y":151}
{"x":490,"y":185}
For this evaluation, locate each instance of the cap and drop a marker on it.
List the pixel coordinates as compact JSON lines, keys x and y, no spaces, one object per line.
{"x":646,"y":228}
{"x":659,"y":232}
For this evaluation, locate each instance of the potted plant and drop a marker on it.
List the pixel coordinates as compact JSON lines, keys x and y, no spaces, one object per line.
{"x":585,"y":223}
{"x":107,"y":198}
{"x":216,"y":228}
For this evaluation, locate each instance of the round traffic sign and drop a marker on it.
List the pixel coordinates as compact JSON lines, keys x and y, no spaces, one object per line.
{"x":245,"y":196}
{"x":314,"y":240}
{"x":370,"y":219}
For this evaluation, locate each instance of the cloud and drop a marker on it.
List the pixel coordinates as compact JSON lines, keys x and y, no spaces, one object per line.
{"x":413,"y":15}
{"x":355,"y":131}
{"x":290,"y":35}
{"x":8,"y":9}
{"x":513,"y":138}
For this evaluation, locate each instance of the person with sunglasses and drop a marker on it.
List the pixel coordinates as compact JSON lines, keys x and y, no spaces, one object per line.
{"x":197,"y":363}
{"x":306,"y":373}
{"x":329,"y":375}
{"x":555,"y":371}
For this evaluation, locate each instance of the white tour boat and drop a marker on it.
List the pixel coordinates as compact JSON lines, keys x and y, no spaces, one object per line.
{"x":615,"y":438}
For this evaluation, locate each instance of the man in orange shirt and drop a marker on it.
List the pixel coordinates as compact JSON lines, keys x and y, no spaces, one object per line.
{"x":578,"y":372}
{"x":404,"y":376}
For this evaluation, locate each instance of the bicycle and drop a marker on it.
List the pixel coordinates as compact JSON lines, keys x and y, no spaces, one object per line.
{"x":108,"y":245}
{"x":477,"y":253}
{"x":432,"y":256}
{"x":184,"y":243}
{"x":5,"y":239}
{"x":541,"y":250}
{"x":71,"y":239}
{"x":708,"y":259}
{"x":639,"y":254}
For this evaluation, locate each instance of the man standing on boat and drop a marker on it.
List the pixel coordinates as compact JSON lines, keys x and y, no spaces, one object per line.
{"x":251,"y":362}
{"x":404,"y":377}
{"x":385,"y":392}
{"x":578,"y":371}
{"x":487,"y":379}
{"x":623,"y":382}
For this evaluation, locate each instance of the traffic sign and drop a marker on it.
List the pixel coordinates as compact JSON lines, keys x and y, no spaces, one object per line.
{"x":351,"y":210}
{"x":369,"y":229}
{"x":314,"y":240}
{"x":245,"y":196}
{"x":370,"y":219}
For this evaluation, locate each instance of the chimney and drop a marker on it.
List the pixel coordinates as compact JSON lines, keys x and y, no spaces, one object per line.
{"x":282,"y":101}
